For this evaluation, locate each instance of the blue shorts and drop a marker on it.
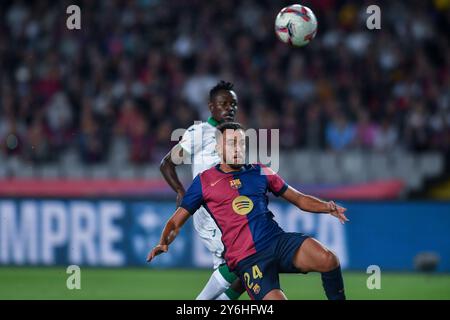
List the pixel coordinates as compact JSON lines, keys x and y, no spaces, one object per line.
{"x":260,"y":272}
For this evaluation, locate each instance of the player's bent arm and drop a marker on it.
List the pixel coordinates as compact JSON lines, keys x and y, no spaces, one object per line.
{"x":306,"y":202}
{"x":170,"y":232}
{"x":168,"y":170}
{"x":312,"y":204}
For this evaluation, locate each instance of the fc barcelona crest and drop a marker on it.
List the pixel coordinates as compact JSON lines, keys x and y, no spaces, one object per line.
{"x":235,"y":183}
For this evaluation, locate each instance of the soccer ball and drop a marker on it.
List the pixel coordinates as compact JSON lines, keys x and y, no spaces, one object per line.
{"x":296,"y":25}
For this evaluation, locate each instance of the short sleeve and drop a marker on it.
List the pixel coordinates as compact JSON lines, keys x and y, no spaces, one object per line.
{"x":191,"y":140}
{"x":275,"y":183}
{"x":193,"y":197}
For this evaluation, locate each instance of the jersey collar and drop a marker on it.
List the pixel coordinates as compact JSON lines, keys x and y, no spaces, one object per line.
{"x":243,"y":168}
{"x":212,"y":122}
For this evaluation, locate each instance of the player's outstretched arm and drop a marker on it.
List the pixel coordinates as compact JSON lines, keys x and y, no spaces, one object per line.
{"x":169,"y":172}
{"x":312,"y":204}
{"x":170,"y":232}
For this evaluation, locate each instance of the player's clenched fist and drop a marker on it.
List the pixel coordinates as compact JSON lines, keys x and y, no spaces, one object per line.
{"x":160,"y":248}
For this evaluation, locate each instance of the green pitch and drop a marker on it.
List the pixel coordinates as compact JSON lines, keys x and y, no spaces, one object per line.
{"x":50,"y":283}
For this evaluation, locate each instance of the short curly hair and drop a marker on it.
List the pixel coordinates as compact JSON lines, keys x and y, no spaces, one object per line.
{"x":221,"y":128}
{"x":221,"y":85}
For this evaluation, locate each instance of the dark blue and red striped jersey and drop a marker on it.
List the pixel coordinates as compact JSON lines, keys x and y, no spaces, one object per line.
{"x":238,"y":202}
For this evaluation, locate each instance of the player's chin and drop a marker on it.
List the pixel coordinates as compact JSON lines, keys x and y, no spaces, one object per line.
{"x":236,"y":165}
{"x":228,"y":118}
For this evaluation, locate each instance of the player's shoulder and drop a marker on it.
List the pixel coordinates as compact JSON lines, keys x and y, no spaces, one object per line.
{"x":198,"y":125}
{"x":210,"y":175}
{"x":257,"y":166}
{"x":263,"y":169}
{"x":193,"y":137}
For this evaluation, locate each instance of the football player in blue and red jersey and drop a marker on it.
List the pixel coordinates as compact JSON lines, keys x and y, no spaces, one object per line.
{"x":256,"y":248}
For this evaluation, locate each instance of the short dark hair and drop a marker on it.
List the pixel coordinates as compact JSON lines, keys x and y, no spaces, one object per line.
{"x":221,"y":85}
{"x":228,"y":125}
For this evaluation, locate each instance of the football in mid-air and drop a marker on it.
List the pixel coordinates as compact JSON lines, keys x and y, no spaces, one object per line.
{"x":296,"y":25}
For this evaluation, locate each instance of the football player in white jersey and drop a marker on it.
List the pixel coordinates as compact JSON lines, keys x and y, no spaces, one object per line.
{"x":198,"y":144}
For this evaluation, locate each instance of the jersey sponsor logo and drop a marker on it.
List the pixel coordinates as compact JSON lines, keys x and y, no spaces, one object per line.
{"x":242,"y":205}
{"x":235,"y":183}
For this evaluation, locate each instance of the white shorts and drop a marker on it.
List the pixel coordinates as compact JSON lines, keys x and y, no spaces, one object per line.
{"x":210,"y":234}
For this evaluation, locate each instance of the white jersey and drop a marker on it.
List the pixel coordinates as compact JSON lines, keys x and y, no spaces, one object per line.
{"x":200,"y":142}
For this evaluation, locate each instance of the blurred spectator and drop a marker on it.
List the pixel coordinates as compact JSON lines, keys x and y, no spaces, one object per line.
{"x":197,"y":88}
{"x":12,"y":136}
{"x":58,"y":116}
{"x":91,"y":140}
{"x":38,"y":149}
{"x":290,"y":132}
{"x":128,"y":117}
{"x":314,"y":127}
{"x":140,"y":142}
{"x":163,"y":141}
{"x":385,"y":137}
{"x":416,"y":128}
{"x":365,"y":131}
{"x":141,"y":84}
{"x":340,"y":134}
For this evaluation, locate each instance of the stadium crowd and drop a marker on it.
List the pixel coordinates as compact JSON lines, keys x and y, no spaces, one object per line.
{"x":137,"y":70}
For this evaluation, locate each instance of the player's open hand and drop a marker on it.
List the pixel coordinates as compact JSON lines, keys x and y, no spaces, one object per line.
{"x":337,"y":211}
{"x":160,"y":248}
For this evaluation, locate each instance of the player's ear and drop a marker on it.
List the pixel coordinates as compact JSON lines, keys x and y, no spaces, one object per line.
{"x":210,"y":106}
{"x":218,"y":146}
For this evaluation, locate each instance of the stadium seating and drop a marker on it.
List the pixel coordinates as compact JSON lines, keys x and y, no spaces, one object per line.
{"x":303,"y":167}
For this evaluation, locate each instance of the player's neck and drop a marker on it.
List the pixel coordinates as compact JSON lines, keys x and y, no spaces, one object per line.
{"x":213,"y":121}
{"x":226,"y":168}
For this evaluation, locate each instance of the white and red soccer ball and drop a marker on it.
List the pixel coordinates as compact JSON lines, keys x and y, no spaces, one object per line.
{"x":296,"y":25}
